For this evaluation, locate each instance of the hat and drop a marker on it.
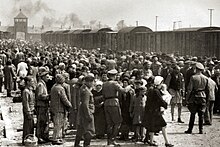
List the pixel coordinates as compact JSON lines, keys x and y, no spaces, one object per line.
{"x":98,"y":83}
{"x":193,"y":62}
{"x":199,"y":66}
{"x":61,"y":64}
{"x":211,"y":63}
{"x":158,"y":80}
{"x":66,"y":75}
{"x":89,"y":78}
{"x":80,"y":80}
{"x":138,"y":82}
{"x":125,"y":79}
{"x":42,"y":71}
{"x":187,"y":62}
{"x":60,"y":78}
{"x":113,"y":72}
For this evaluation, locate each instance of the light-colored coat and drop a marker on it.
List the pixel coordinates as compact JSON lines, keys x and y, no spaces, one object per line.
{"x":42,"y":99}
{"x":59,"y":101}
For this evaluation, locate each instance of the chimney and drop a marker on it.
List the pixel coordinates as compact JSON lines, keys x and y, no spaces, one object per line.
{"x":42,"y":27}
{"x":33,"y":27}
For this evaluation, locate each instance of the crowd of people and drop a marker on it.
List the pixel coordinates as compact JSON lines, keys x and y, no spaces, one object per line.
{"x":111,"y":93}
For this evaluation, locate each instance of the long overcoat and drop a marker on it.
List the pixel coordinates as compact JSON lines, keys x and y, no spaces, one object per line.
{"x":9,"y":73}
{"x":153,"y":119}
{"x":86,"y":111}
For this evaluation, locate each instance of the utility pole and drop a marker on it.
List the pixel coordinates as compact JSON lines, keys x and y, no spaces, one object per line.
{"x":136,"y":23}
{"x":179,"y":24}
{"x":210,"y":18}
{"x":99,"y":24}
{"x":122,"y":23}
{"x":174,"y":24}
{"x":156,"y":24}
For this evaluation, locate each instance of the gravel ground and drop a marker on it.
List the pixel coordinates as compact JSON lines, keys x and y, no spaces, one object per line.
{"x":211,"y":137}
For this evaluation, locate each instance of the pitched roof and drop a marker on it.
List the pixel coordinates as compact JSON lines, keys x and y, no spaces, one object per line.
{"x":21,"y":15}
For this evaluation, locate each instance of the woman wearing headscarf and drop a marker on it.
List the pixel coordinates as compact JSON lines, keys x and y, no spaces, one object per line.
{"x":153,"y":119}
{"x":99,"y":115}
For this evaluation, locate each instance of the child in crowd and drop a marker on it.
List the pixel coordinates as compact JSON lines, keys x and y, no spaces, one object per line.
{"x":137,"y":112}
{"x":165,"y":95}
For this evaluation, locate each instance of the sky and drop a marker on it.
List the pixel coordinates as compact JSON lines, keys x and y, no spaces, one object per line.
{"x":79,"y":13}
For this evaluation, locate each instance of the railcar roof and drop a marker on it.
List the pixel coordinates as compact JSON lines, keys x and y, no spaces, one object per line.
{"x":130,"y":29}
{"x":200,"y":29}
{"x":101,"y":30}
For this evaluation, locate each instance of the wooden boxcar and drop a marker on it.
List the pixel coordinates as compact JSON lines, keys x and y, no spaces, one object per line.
{"x":126,"y":37}
{"x":96,"y":39}
{"x":185,"y":41}
{"x":111,"y":40}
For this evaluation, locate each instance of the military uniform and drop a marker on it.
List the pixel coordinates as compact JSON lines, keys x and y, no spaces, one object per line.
{"x":86,"y":126}
{"x":112,"y":108}
{"x":197,"y":98}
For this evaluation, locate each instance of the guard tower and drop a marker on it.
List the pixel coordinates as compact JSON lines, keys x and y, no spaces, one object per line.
{"x":21,"y":26}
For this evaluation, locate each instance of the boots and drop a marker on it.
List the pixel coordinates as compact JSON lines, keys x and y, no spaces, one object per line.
{"x":87,"y":140}
{"x":180,"y":121}
{"x":77,"y":141}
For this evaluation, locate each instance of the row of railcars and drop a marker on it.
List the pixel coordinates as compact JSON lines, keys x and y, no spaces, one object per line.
{"x":186,"y":41}
{"x":87,"y":38}
{"x":191,"y":41}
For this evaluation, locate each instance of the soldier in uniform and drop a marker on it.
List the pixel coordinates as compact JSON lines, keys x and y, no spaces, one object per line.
{"x":112,"y":106}
{"x":86,"y":126}
{"x":197,"y":97}
{"x":42,"y":106}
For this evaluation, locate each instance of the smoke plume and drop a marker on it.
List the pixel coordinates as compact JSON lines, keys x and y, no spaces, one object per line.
{"x":48,"y":17}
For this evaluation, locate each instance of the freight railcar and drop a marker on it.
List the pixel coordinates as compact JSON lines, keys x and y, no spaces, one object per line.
{"x":126,"y":37}
{"x":111,"y":40}
{"x":185,"y":41}
{"x":78,"y":37}
{"x":96,"y":39}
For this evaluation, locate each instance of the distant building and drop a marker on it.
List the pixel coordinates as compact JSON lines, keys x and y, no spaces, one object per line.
{"x":22,"y":31}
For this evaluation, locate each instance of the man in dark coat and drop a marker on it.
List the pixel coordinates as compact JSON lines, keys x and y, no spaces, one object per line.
{"x":197,"y":97}
{"x":9,"y":75}
{"x":86,"y":126}
{"x":58,"y":108}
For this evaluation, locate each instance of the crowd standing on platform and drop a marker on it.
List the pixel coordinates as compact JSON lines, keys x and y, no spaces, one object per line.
{"x":109,"y":92}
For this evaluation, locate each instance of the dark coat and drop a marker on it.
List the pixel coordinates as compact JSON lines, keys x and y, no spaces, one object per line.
{"x":86,"y":111}
{"x":153,"y":119}
{"x":126,"y":101}
{"x":9,"y":74}
{"x":217,"y":94}
{"x":99,"y":115}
